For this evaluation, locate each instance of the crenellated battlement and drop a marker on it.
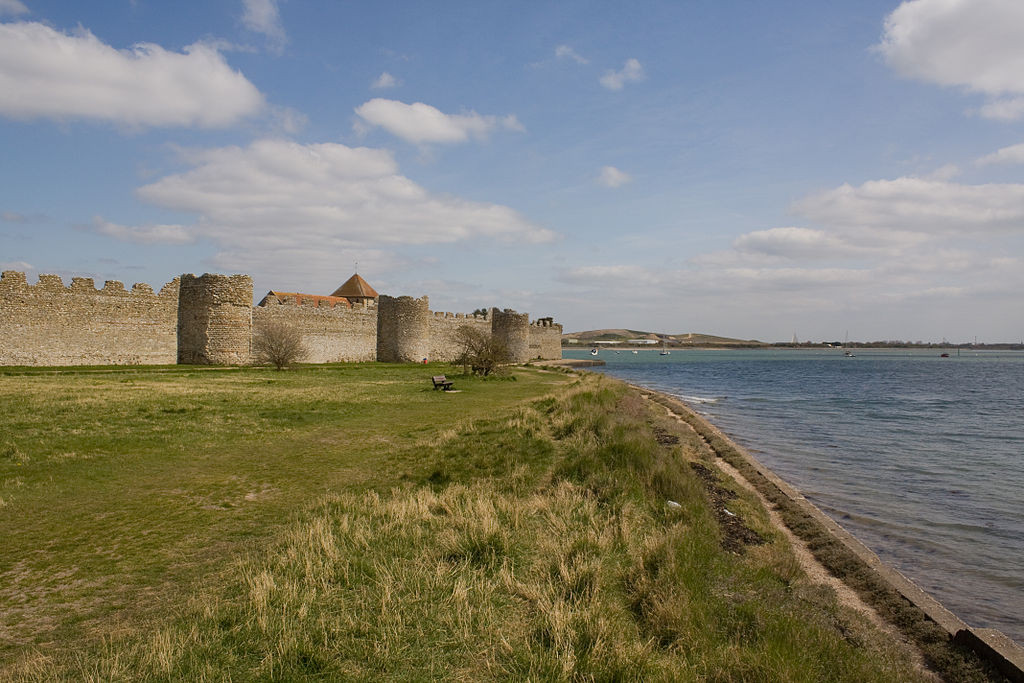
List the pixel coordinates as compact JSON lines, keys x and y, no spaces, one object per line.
{"x":49,"y":323}
{"x":13,"y":281}
{"x":209,"y":319}
{"x":459,"y":316}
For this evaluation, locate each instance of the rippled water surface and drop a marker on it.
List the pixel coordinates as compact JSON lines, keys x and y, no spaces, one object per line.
{"x":920,"y":457}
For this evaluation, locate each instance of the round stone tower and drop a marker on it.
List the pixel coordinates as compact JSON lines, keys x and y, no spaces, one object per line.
{"x":514,"y":330}
{"x":403,"y":329}
{"x":214,"y":319}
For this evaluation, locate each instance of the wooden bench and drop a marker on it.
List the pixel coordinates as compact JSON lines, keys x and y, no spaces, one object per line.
{"x":441,"y":382}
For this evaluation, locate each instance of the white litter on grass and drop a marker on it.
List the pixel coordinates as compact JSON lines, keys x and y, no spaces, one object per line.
{"x":672,"y":504}
{"x":731,"y":514}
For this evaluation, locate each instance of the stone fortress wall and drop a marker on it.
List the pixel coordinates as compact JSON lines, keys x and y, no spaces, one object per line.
{"x":329,"y":333}
{"x":214,"y":319}
{"x":403,"y":329}
{"x":545,"y":339}
{"x":443,"y":328}
{"x":50,"y":324}
{"x":209,"y":319}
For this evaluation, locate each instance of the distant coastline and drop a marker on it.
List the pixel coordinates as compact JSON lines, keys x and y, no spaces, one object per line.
{"x":627,"y":339}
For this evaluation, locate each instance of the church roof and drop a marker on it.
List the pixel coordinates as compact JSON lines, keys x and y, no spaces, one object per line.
{"x":356,"y":288}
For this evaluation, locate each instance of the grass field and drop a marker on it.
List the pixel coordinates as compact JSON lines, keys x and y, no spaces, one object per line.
{"x":346,"y":522}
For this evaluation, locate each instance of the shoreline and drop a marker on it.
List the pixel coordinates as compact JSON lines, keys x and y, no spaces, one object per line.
{"x":990,"y":644}
{"x":852,"y":562}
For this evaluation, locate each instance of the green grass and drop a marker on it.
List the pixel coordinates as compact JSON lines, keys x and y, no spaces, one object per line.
{"x":345,"y":522}
{"x":950,"y":660}
{"x":123,"y":487}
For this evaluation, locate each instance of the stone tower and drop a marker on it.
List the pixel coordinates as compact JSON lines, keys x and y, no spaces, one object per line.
{"x":214,"y":319}
{"x":403,"y":329}
{"x":514,"y":330}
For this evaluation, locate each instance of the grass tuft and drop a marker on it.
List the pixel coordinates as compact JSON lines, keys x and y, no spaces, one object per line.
{"x":522,"y":537}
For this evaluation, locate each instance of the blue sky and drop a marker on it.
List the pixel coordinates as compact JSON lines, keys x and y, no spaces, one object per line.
{"x":755,"y":170}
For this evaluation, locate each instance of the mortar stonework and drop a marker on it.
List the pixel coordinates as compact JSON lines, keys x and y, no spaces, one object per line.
{"x":50,"y":324}
{"x":444,"y":327}
{"x":214,"y":319}
{"x":403,"y":329}
{"x":513,"y":329}
{"x":545,"y":340}
{"x":329,"y":334}
{"x":210,"y":319}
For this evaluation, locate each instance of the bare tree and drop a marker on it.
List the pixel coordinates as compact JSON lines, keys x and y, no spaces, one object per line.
{"x":277,"y":342}
{"x":479,"y":351}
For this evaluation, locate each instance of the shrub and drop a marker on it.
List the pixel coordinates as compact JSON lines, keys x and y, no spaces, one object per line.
{"x":278,"y":343}
{"x":479,"y":351}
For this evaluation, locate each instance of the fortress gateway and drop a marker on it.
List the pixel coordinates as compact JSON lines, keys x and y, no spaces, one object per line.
{"x":210,"y":319}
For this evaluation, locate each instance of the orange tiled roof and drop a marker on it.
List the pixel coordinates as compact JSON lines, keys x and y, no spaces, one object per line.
{"x":317,"y":299}
{"x":356,"y":288}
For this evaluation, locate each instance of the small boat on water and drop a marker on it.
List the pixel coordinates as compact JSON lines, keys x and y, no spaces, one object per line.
{"x":849,"y":354}
{"x":593,"y":351}
{"x":664,"y":350}
{"x":635,"y":351}
{"x":943,"y":355}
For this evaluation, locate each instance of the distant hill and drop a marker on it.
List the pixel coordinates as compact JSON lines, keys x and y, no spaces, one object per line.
{"x":685,"y":339}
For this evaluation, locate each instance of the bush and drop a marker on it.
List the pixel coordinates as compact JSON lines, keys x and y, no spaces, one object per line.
{"x":278,"y":343}
{"x":479,"y":351}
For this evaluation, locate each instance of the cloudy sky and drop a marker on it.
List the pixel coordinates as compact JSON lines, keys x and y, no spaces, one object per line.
{"x":756,"y":170}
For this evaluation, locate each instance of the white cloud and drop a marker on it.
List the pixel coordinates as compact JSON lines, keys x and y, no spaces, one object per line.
{"x":795,"y":243}
{"x":1014,"y":154}
{"x":22,"y":266}
{"x":919,"y":205}
{"x":566,"y":52}
{"x":283,"y":202}
{"x":975,"y":44}
{"x":287,"y":119}
{"x":12,"y":7}
{"x":48,"y":74}
{"x":944,"y":172}
{"x":891,"y":258}
{"x":262,"y":16}
{"x":1003,"y":110}
{"x":144,"y":234}
{"x":421,"y":123}
{"x":634,"y":282}
{"x":613,"y":177}
{"x":16,"y":217}
{"x":384,"y":81}
{"x":631,"y":71}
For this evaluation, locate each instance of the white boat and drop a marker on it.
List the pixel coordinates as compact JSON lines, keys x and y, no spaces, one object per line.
{"x":635,"y":351}
{"x":664,"y":350}
{"x":593,"y":351}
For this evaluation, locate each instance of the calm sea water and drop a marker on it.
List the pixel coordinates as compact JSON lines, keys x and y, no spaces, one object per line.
{"x":920,"y":457}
